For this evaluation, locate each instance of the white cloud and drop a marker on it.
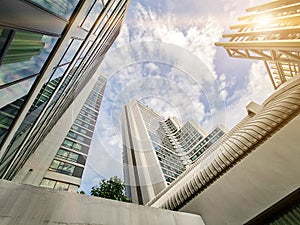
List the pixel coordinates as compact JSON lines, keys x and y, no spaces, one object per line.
{"x":151,"y":67}
{"x":223,"y":95}
{"x":222,"y":77}
{"x":258,"y":88}
{"x":199,"y":38}
{"x":161,"y":57}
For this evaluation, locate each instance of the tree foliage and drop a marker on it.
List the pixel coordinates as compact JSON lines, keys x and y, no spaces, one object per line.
{"x":112,"y":189}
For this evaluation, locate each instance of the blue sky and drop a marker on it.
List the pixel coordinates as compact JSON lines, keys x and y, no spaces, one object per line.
{"x":165,"y":57}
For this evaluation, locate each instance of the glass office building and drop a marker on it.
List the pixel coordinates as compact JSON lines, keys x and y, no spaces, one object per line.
{"x":48,"y":53}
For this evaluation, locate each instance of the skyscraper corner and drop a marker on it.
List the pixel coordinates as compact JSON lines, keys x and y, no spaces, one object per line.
{"x":157,"y":150}
{"x":49,"y":58}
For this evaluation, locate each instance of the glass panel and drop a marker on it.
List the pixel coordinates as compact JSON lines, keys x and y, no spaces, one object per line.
{"x":86,"y":49}
{"x":92,"y":16}
{"x":59,"y":72}
{"x":71,"y":144}
{"x":33,"y":114}
{"x":37,"y":106}
{"x":54,"y":164}
{"x":61,"y":186}
{"x":9,"y":111}
{"x":78,"y":172}
{"x":73,"y":157}
{"x":47,"y":183}
{"x":43,"y":97}
{"x":71,"y":135}
{"x":14,"y":92}
{"x":82,"y":139}
{"x":63,"y":8}
{"x":62,"y":167}
{"x":62,"y":153}
{"x":71,"y":51}
{"x":77,"y":147}
{"x":67,"y":143}
{"x":26,"y":55}
{"x":67,"y":155}
{"x":66,"y":168}
{"x":101,"y":25}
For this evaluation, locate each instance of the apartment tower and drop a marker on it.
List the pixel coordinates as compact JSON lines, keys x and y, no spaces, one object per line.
{"x":157,"y":150}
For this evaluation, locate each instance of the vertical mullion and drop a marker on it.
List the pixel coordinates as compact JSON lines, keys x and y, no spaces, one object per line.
{"x":10,"y":37}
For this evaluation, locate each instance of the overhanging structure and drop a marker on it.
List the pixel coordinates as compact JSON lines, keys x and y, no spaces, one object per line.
{"x":270,"y":32}
{"x":253,"y":168}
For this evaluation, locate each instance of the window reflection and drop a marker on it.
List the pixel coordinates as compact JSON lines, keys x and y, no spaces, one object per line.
{"x":14,"y":92}
{"x":62,"y":167}
{"x":44,"y":95}
{"x":61,"y":186}
{"x":25,"y":56}
{"x":86,"y":49}
{"x":72,"y":145}
{"x":63,"y":8}
{"x":71,"y":156}
{"x":70,"y":53}
{"x":24,"y":46}
{"x":59,"y":72}
{"x":92,"y":16}
{"x":8,"y":114}
{"x":48,"y":183}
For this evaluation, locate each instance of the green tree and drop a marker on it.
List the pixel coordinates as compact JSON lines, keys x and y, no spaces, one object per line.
{"x":112,"y":189}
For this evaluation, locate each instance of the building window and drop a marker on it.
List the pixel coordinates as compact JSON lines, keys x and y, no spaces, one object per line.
{"x":61,"y":186}
{"x":71,"y":51}
{"x":93,"y":13}
{"x":71,"y":135}
{"x":62,"y":167}
{"x":47,"y":183}
{"x":72,"y":145}
{"x":71,"y":156}
{"x":25,"y":55}
{"x":78,"y":137}
{"x":54,"y":184}
{"x":62,"y":8}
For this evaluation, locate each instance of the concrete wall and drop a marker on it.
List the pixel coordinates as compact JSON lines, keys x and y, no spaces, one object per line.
{"x":266,"y":176}
{"x":26,"y":204}
{"x":144,"y":175}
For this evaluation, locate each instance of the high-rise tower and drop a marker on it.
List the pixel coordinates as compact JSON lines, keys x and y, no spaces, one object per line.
{"x":157,"y":150}
{"x":48,"y":54}
{"x":59,"y":161}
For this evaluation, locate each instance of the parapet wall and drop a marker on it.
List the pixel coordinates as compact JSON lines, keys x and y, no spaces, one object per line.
{"x":26,"y":204}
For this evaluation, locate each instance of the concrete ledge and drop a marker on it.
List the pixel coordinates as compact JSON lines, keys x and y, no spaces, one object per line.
{"x":26,"y":204}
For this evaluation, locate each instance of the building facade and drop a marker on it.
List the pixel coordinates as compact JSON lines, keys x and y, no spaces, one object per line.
{"x":157,"y":150}
{"x":48,"y":54}
{"x":59,"y":162}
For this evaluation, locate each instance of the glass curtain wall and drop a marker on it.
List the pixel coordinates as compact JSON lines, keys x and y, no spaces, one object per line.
{"x":76,"y":65}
